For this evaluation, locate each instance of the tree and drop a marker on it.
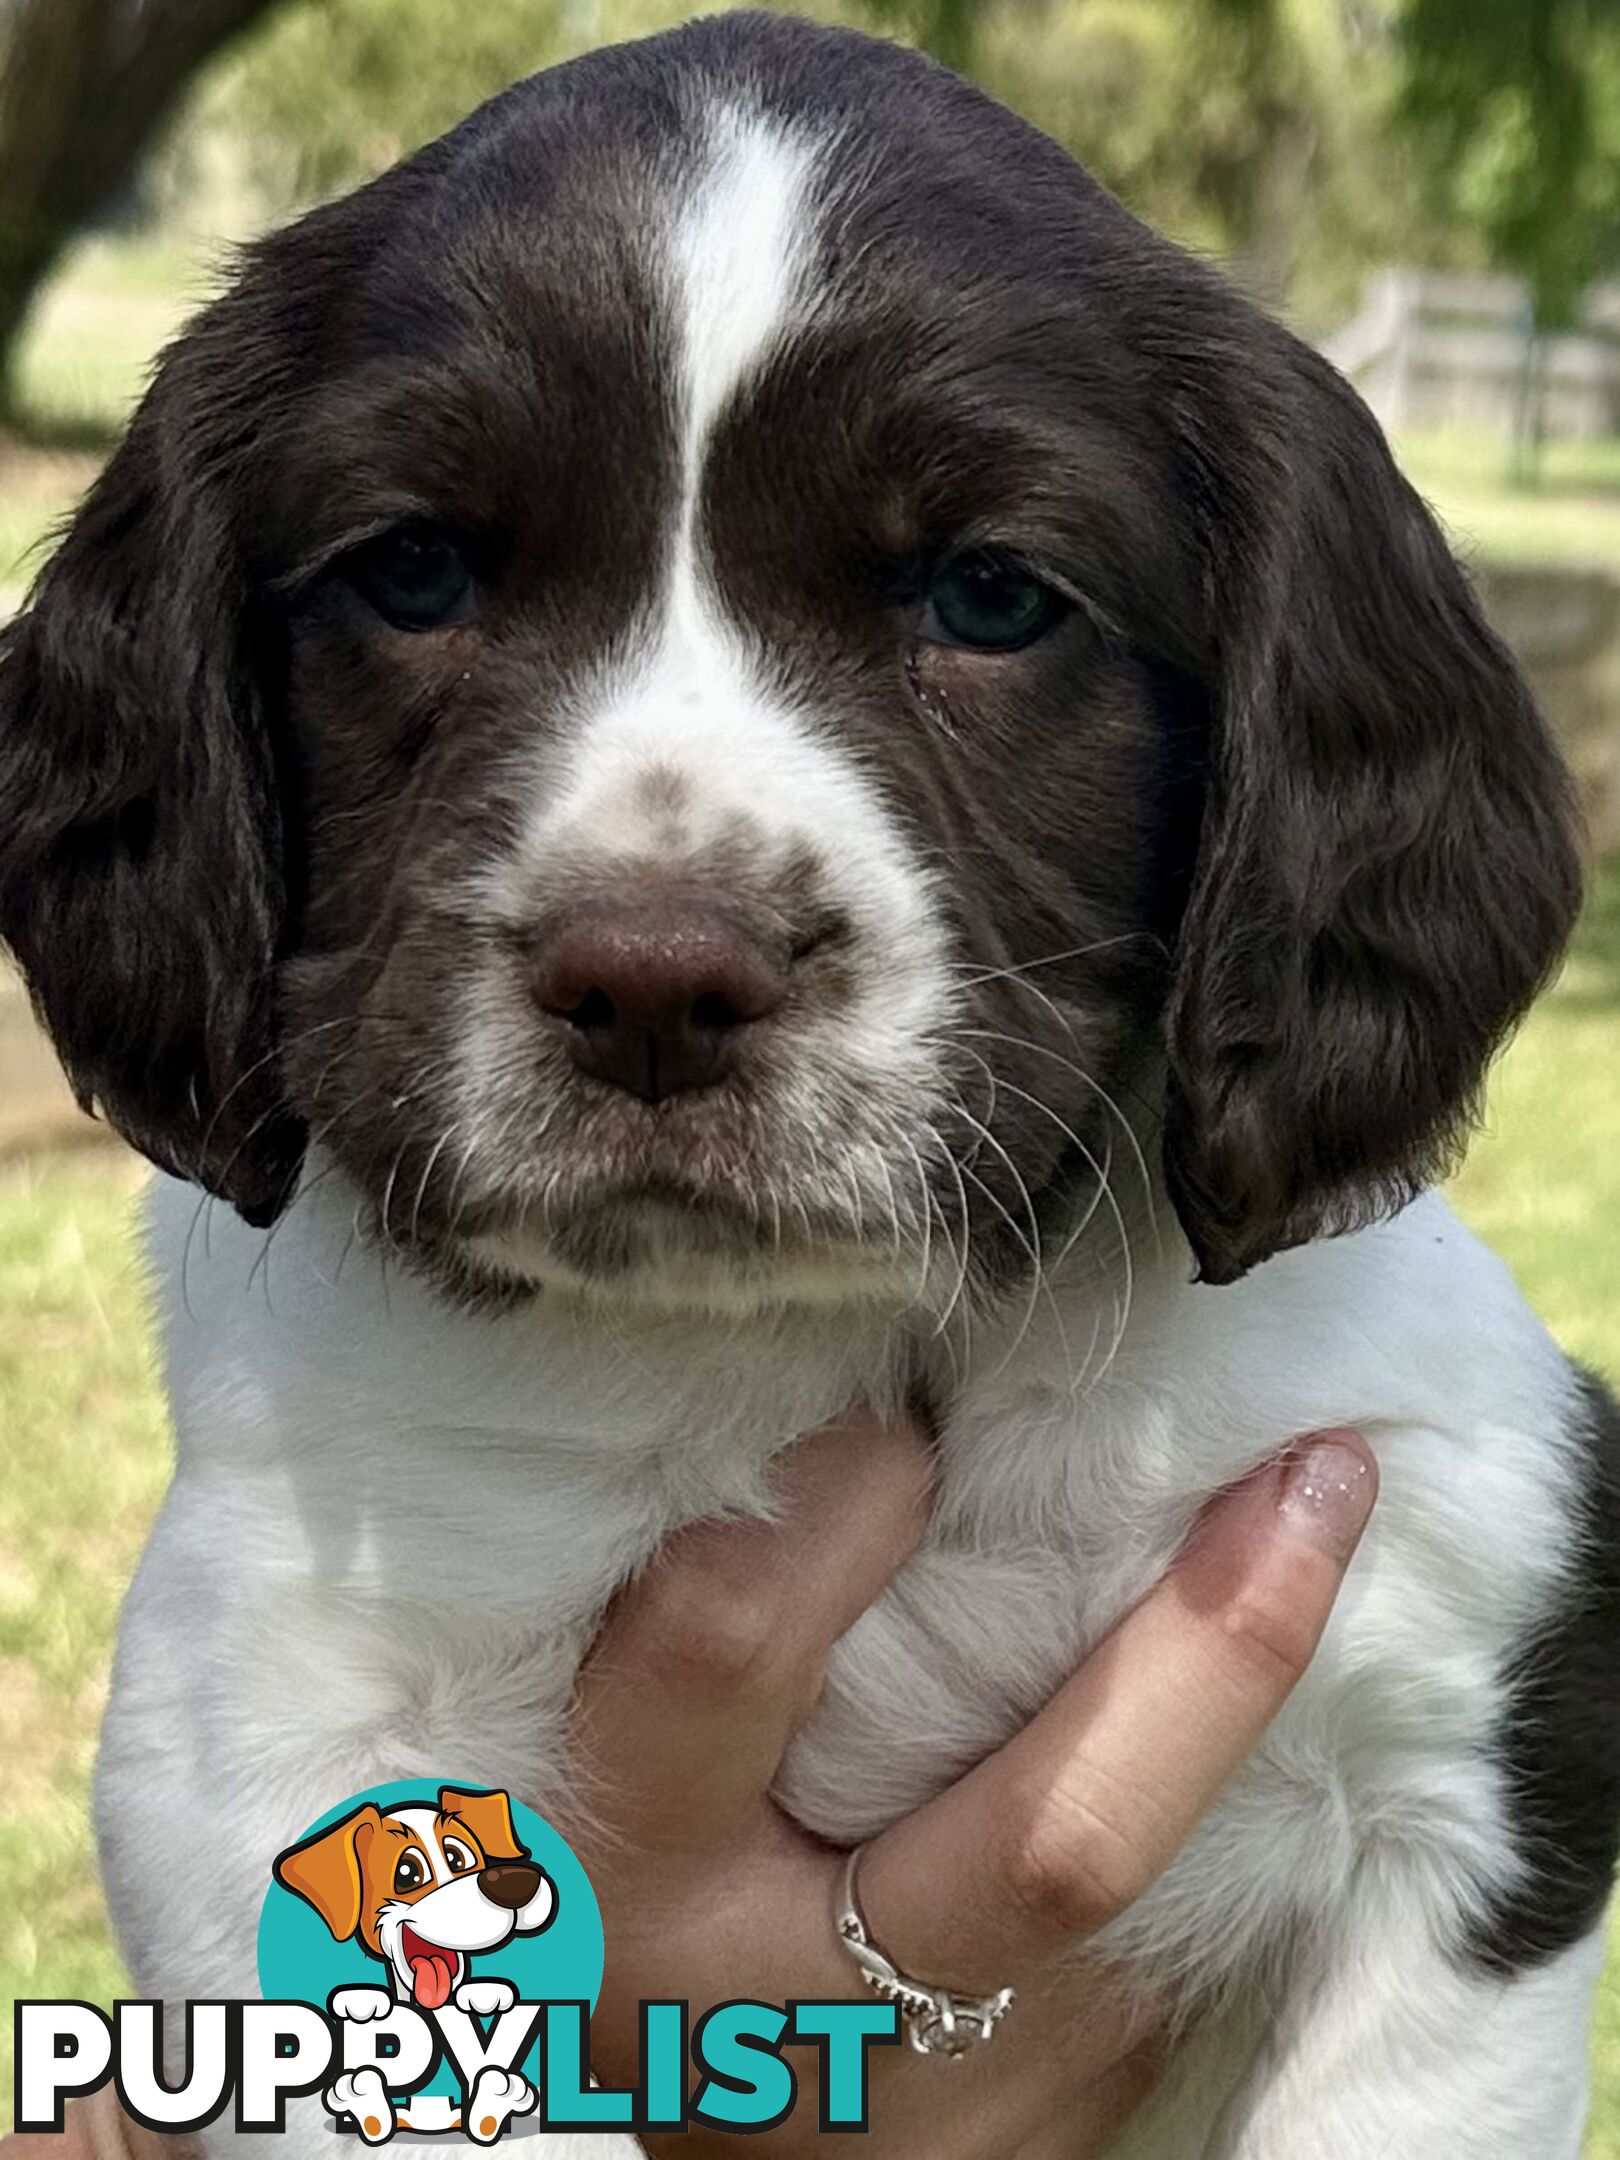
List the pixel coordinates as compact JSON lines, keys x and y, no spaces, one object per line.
{"x":1517,"y":103}
{"x":85,"y":85}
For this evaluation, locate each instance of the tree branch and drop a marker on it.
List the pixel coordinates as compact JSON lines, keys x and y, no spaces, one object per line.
{"x":84,"y":87}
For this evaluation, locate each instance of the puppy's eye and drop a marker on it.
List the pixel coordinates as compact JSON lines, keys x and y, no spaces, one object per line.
{"x":988,"y":602}
{"x":416,"y":577}
{"x":410,"y":1874}
{"x":457,"y":1858}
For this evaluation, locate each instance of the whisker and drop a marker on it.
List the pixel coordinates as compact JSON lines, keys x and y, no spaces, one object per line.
{"x":1149,"y":1193}
{"x":1072,"y":952}
{"x":1106,"y":1195}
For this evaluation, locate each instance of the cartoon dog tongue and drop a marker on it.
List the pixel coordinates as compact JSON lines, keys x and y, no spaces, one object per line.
{"x":433,"y":1971}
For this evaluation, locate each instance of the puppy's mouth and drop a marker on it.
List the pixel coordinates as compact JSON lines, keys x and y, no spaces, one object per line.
{"x":675,"y":1240}
{"x":434,"y":1970}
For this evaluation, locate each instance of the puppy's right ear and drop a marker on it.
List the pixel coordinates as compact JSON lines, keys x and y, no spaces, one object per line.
{"x":325,"y":1870}
{"x":140,"y":841}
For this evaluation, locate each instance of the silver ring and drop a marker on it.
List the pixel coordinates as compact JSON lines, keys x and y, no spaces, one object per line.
{"x":938,"y":2020}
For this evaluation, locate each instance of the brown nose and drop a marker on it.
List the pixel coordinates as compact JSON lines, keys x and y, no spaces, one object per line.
{"x":656,"y":993}
{"x":510,"y":1883}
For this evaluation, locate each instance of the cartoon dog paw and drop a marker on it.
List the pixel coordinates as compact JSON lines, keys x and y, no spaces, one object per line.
{"x":359,"y":2005}
{"x":497,"y":2096}
{"x":485,"y":1998}
{"x":362,"y":2094}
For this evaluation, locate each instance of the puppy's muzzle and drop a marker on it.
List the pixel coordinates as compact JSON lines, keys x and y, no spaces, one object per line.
{"x":509,"y":1883}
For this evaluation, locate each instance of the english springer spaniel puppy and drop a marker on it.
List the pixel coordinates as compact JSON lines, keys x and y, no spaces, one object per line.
{"x":727,"y":746}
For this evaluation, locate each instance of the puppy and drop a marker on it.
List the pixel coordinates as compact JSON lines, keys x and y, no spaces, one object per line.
{"x":727,"y":745}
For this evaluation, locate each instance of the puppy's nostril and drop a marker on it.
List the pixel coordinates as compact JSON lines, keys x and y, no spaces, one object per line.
{"x":594,"y":1010}
{"x":713,"y":1009}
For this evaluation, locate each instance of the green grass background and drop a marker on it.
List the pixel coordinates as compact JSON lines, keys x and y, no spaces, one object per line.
{"x":84,"y":1453}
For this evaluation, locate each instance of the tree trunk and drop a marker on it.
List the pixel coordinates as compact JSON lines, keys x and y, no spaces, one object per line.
{"x":84,"y":87}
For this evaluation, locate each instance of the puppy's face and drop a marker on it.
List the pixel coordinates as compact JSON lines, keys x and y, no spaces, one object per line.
{"x":732,"y":796}
{"x":732,"y":686}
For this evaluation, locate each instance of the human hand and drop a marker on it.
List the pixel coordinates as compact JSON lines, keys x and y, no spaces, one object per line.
{"x":709,"y":1893}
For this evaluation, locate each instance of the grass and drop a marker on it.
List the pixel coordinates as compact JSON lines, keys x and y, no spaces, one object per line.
{"x":1571,"y":515}
{"x":1542,"y":1181}
{"x":87,"y":1455}
{"x":85,"y":1459}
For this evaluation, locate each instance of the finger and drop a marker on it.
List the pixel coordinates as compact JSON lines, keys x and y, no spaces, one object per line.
{"x":1052,"y":1837}
{"x":714,"y":1655}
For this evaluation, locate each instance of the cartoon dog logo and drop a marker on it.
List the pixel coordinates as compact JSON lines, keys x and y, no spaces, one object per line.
{"x":424,"y":1890}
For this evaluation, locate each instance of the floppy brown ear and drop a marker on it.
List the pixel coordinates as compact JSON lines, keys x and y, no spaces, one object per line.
{"x":488,"y":1815}
{"x":325,"y":1870}
{"x":1388,"y":866}
{"x":141,"y":880}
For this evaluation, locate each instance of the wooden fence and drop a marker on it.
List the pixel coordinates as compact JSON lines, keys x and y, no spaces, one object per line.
{"x":1432,"y":349}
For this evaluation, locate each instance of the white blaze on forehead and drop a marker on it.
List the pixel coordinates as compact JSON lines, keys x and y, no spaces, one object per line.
{"x":736,"y":269}
{"x":692,"y":706}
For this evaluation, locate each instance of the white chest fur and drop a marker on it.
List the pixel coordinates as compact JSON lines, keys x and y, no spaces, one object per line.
{"x":393,"y":1526}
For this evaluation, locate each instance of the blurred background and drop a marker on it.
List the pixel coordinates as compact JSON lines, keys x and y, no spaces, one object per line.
{"x":1430,"y":189}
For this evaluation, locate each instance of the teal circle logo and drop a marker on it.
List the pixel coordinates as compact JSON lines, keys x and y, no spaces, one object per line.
{"x":422,"y":1888}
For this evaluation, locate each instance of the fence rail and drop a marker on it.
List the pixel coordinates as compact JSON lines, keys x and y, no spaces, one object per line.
{"x":1435,"y":349}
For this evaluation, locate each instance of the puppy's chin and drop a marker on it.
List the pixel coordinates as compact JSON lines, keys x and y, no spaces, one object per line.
{"x":673,"y":1254}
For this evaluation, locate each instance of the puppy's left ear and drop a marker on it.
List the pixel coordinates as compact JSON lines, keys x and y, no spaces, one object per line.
{"x":141,"y":848}
{"x":488,"y":1815}
{"x":1388,"y":865}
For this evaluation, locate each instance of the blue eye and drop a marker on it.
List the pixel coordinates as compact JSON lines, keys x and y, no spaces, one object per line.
{"x":989,"y":603}
{"x":416,"y":577}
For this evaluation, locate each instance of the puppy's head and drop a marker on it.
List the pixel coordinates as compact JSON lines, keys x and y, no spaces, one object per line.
{"x":732,"y":684}
{"x":421,"y":1888}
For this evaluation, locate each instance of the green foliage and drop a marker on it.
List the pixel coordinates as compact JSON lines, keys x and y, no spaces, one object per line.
{"x":331,"y":91}
{"x":1250,"y":129}
{"x":1517,"y":104}
{"x":1245,"y":127}
{"x":949,"y":29}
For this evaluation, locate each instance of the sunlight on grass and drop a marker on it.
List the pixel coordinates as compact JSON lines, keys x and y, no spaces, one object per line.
{"x":85,"y":1461}
{"x":90,"y":344}
{"x":1542,"y":1182}
{"x":1571,"y":515}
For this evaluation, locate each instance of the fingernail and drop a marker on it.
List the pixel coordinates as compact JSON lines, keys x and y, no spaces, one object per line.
{"x":1328,"y":1489}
